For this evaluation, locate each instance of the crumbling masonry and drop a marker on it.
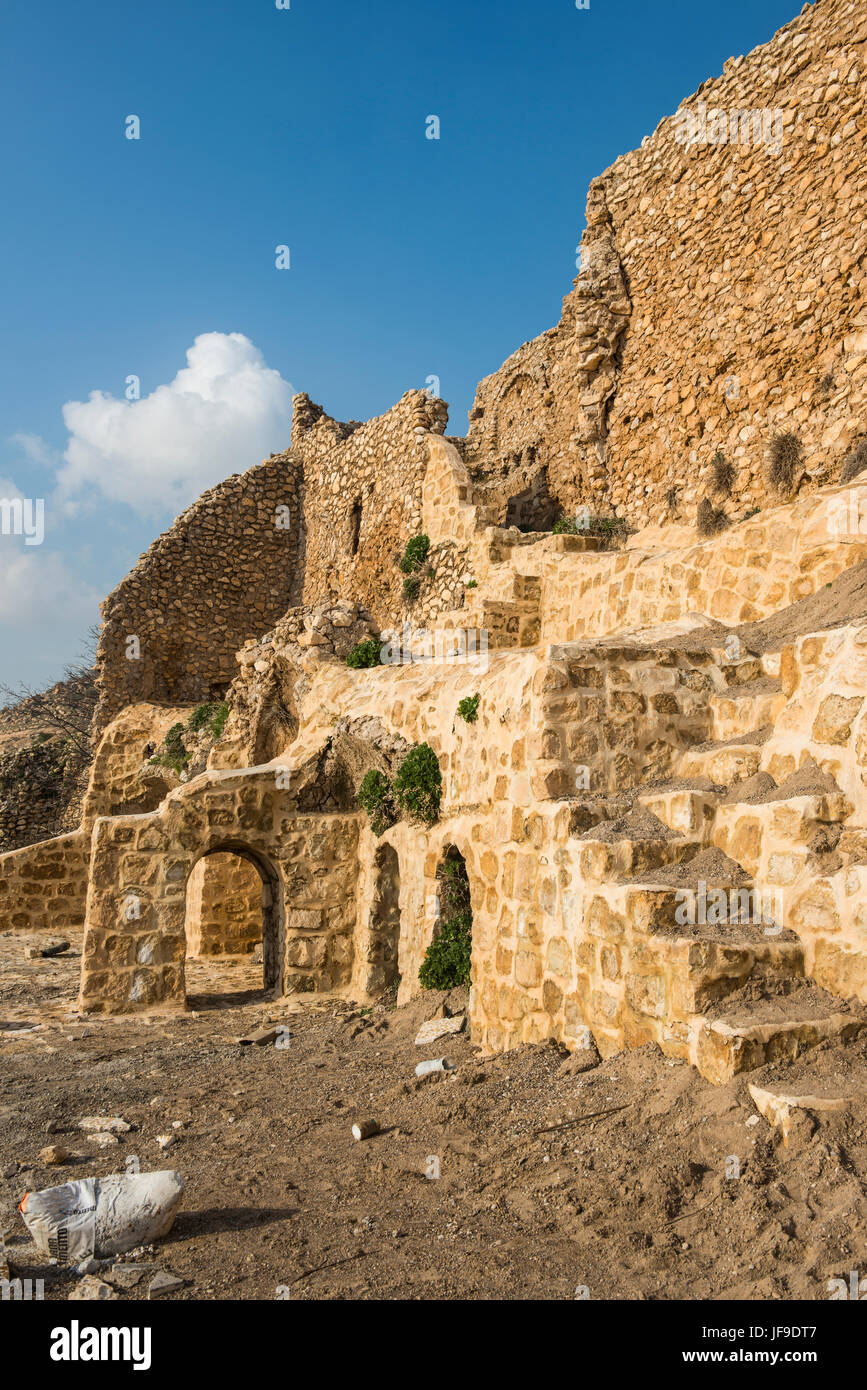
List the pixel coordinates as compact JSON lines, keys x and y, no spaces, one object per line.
{"x":659,"y":711}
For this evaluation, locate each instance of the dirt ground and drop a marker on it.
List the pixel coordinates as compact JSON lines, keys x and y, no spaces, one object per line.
{"x":617,"y":1179}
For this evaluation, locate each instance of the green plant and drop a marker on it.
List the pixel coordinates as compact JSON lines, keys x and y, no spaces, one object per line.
{"x":710,"y":520}
{"x":447,"y":961}
{"x":364,"y":654}
{"x":175,"y":756}
{"x":218,"y":723}
{"x":418,"y":784}
{"x":473,"y":584}
{"x":468,"y":708}
{"x":415,"y":554}
{"x":724,"y":473}
{"x":210,"y":716}
{"x":785,"y":460}
{"x":855,"y":462}
{"x":566,"y":526}
{"x":411,"y":587}
{"x":375,"y":796}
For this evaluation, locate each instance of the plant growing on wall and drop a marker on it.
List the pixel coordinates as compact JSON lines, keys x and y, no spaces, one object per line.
{"x":446,"y":964}
{"x":175,"y":755}
{"x":376,"y":797}
{"x":855,"y":462}
{"x":415,"y":554}
{"x":710,"y":520}
{"x":412,"y":587}
{"x":468,"y":708}
{"x":724,"y":473}
{"x":209,"y":716}
{"x":785,"y":460}
{"x":418,"y":784}
{"x":364,"y":654}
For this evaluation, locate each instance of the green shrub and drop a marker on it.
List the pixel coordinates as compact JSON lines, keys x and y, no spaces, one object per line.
{"x":175,"y":756}
{"x":418,"y":784}
{"x":447,"y":961}
{"x":375,"y":796}
{"x":364,"y":654}
{"x":415,"y":554}
{"x":411,"y":587}
{"x":473,"y":584}
{"x":218,"y":723}
{"x":566,"y":526}
{"x":210,"y":716}
{"x":468,"y":708}
{"x":785,"y":460}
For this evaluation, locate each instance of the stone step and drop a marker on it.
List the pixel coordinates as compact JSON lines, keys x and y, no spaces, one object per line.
{"x":773,"y":839}
{"x":688,"y":812}
{"x":602,"y":860}
{"x":725,"y":761}
{"x":744,"y":707}
{"x":721,"y":1047}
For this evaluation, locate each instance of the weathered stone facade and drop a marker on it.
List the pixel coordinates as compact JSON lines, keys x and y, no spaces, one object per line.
{"x":639,"y":741}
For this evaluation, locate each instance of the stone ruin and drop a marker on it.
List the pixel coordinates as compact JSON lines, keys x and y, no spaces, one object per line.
{"x":668,"y":716}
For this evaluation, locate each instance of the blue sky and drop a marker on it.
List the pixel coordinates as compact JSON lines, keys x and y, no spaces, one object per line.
{"x":302,"y":127}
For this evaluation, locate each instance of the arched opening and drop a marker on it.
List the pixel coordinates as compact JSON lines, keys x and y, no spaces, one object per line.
{"x":355,"y":528}
{"x":448,"y":960}
{"x":533,"y":509}
{"x":384,"y":920}
{"x":232,"y":951}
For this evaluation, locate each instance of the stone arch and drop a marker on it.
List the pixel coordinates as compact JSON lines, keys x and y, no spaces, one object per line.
{"x":384,"y":929}
{"x":270,"y":904}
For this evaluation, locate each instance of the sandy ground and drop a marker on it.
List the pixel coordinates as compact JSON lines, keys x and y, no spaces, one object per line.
{"x":616,"y":1178}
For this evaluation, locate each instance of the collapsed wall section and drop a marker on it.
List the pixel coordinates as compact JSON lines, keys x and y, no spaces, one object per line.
{"x":226,"y":571}
{"x":720,"y":303}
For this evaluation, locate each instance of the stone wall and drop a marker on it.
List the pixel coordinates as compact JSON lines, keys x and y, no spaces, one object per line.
{"x":227,"y":569}
{"x":362,"y":498}
{"x":44,"y":886}
{"x":721,"y":299}
{"x":224,"y":907}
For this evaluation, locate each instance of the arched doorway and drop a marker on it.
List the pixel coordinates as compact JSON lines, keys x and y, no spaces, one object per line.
{"x":447,"y":962}
{"x":384,"y":941}
{"x":231,"y":927}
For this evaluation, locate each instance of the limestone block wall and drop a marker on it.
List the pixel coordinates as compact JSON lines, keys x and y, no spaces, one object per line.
{"x":44,"y":886}
{"x":362,"y":490}
{"x":116,"y":777}
{"x":135,"y":939}
{"x":752,"y":570}
{"x":721,"y":299}
{"x":224,"y":907}
{"x":226,"y":571}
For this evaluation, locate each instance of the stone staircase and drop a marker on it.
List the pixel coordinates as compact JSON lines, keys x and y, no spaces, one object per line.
{"x":687,"y":944}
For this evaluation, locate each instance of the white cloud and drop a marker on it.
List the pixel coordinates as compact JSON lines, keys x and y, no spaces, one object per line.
{"x":45,"y":608}
{"x":223,"y":413}
{"x":35,"y":449}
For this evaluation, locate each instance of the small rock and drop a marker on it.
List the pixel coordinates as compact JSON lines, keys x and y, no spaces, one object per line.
{"x":165,"y":1141}
{"x":88,"y":1266}
{"x":439,"y":1028}
{"x":112,"y":1124}
{"x":53,"y":1154}
{"x":92,"y":1288}
{"x":104,"y":1139}
{"x":127,"y":1276}
{"x":163,"y":1283}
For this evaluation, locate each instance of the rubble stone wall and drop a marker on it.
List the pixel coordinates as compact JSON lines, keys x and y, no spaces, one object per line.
{"x":721,"y":299}
{"x":224,"y":907}
{"x":226,"y":570}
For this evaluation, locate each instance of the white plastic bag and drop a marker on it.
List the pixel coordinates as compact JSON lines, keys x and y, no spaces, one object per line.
{"x":102,"y":1216}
